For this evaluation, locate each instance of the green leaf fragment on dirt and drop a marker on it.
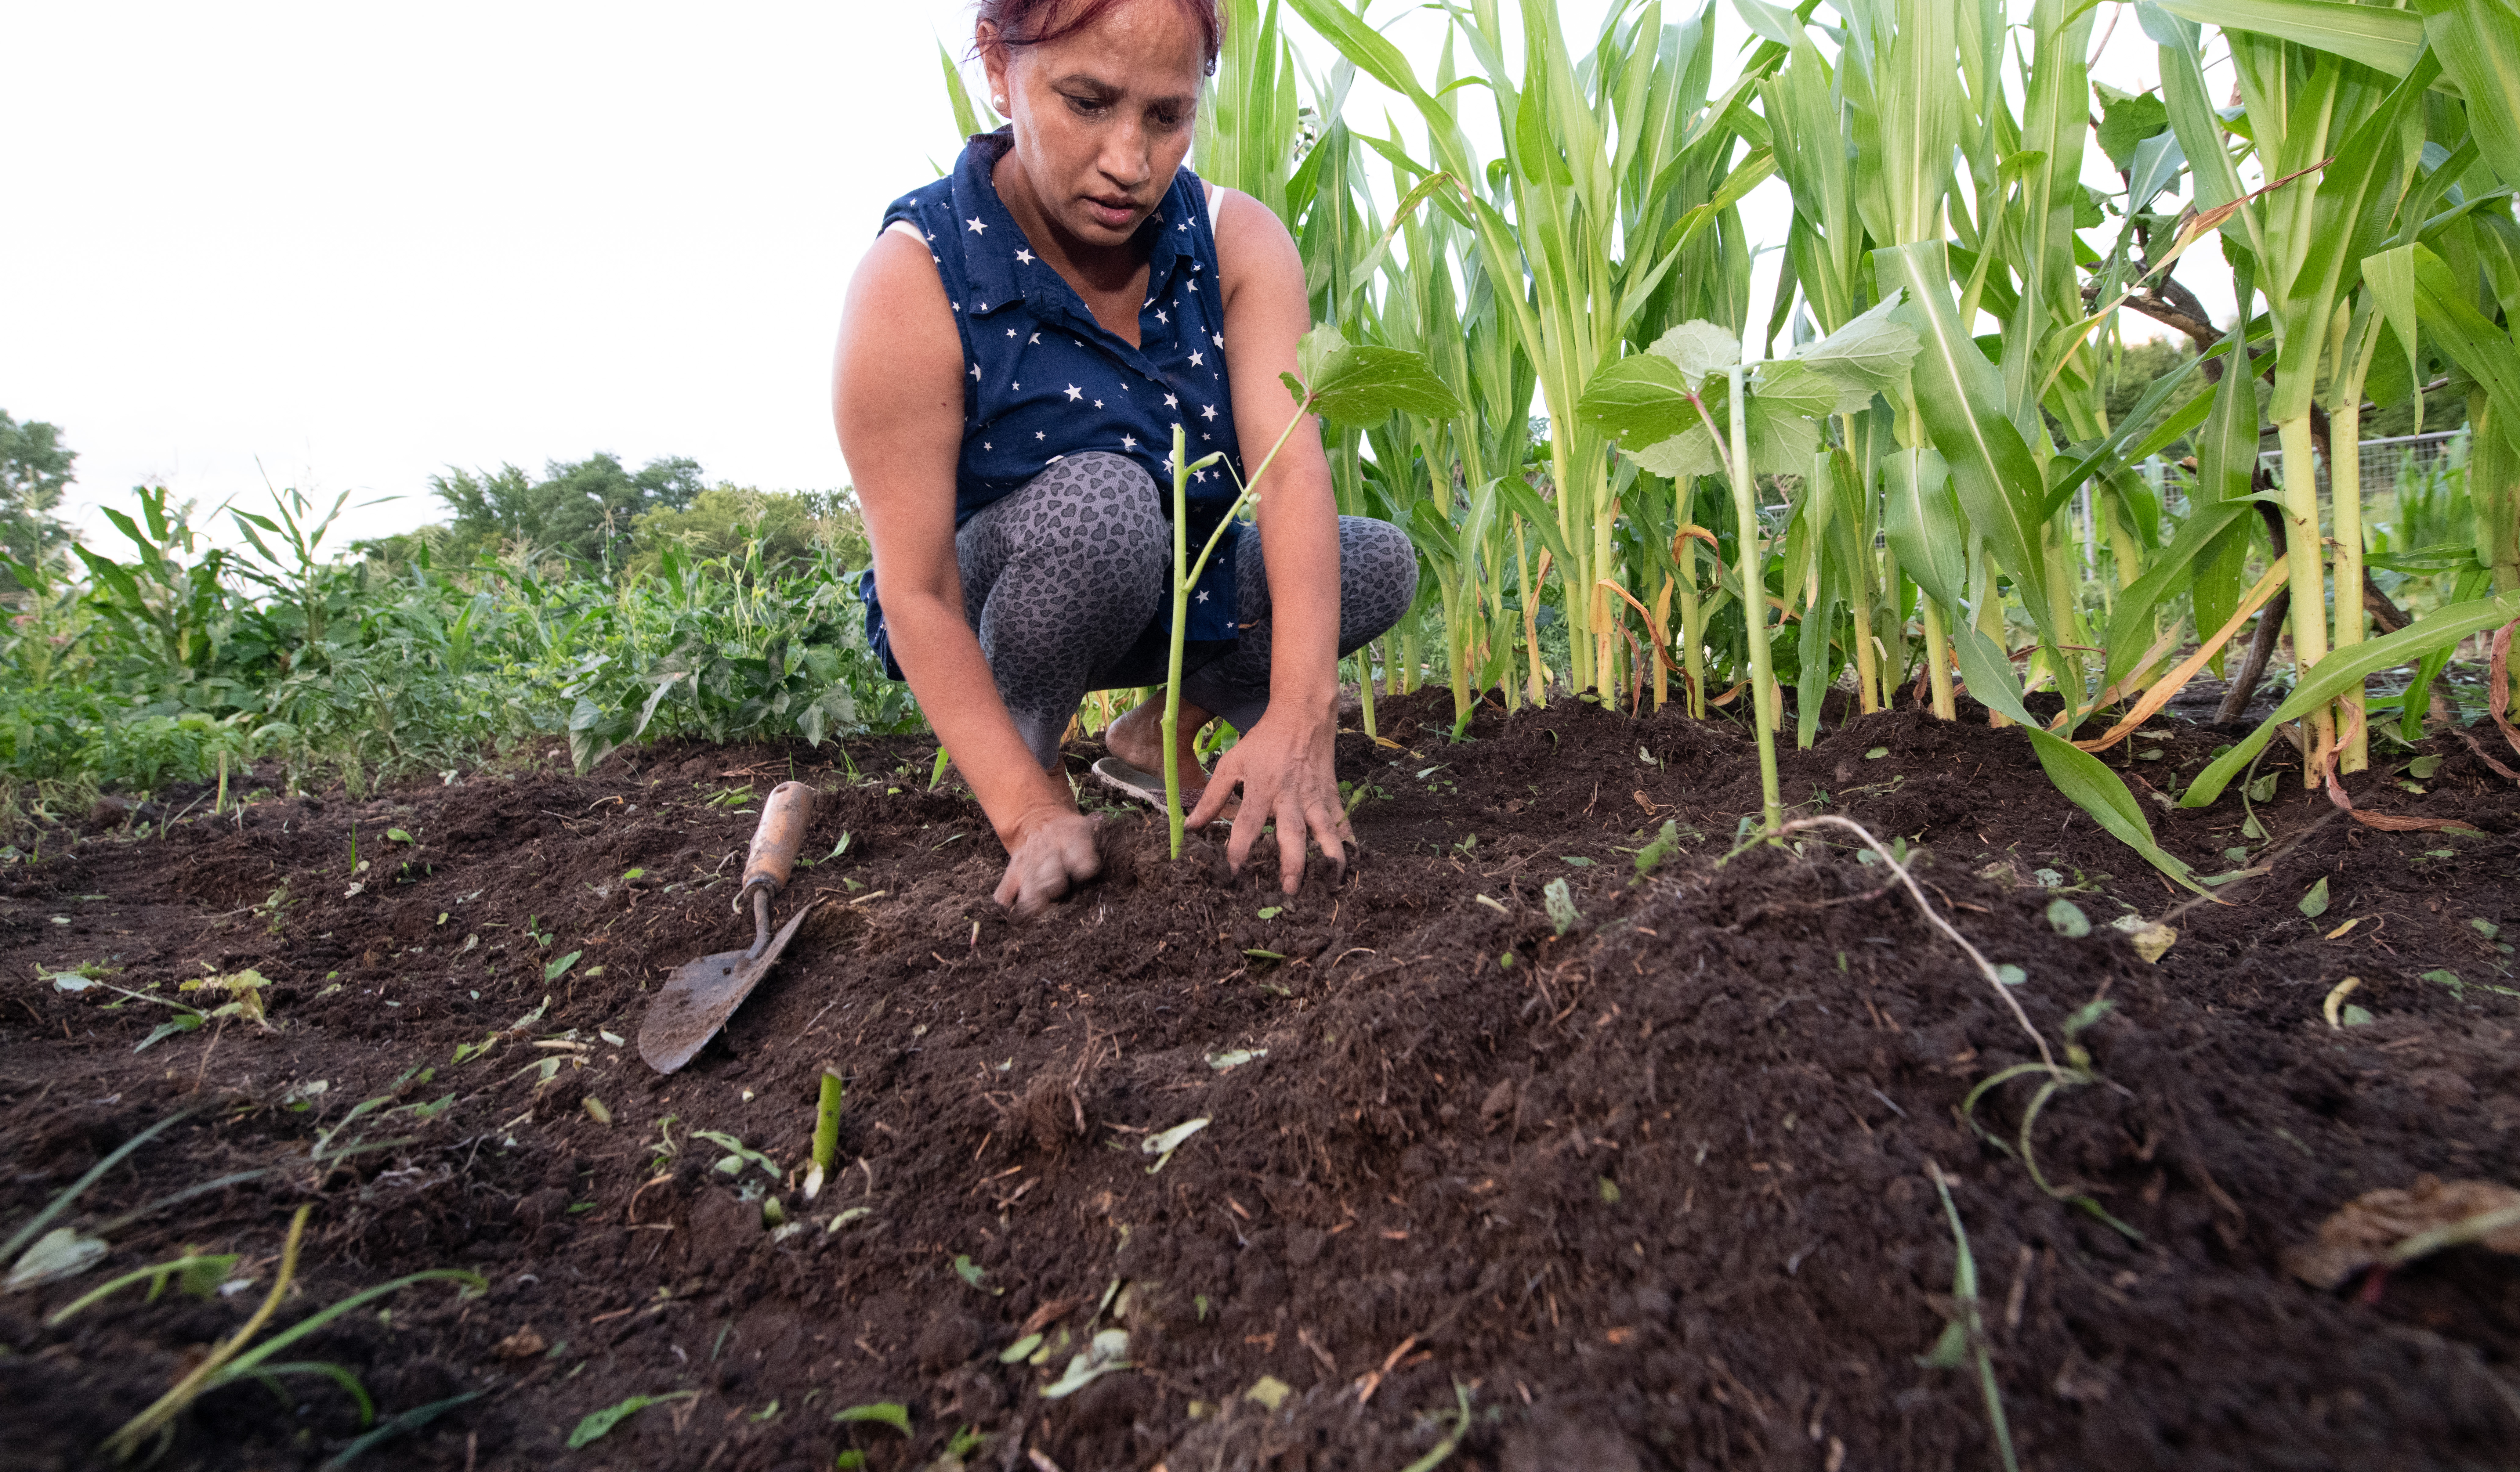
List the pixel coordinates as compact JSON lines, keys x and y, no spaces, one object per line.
{"x":1108,"y":1352}
{"x":890,"y":1413}
{"x":1268,"y":1391}
{"x":1020,"y":1350}
{"x":593,"y":1426}
{"x":560,"y":969}
{"x":1162,"y":1145}
{"x":2314,"y":903}
{"x":2067,"y":920}
{"x":1876,"y":754}
{"x":57,"y":1253}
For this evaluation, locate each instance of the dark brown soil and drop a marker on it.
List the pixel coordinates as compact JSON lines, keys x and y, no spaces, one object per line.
{"x":1655,"y":1194}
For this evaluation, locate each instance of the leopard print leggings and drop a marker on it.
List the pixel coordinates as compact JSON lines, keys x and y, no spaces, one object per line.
{"x":1064,"y":582}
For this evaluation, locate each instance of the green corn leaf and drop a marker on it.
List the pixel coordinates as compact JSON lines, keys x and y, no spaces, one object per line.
{"x":2091,"y":785}
{"x":1960,"y":397}
{"x":2346,"y":669}
{"x":1923,"y":522}
{"x":2167,"y":574}
{"x":1989,"y":673}
{"x":2387,"y":40}
{"x":2466,"y":337}
{"x":2478,"y":42}
{"x":890,"y":1413}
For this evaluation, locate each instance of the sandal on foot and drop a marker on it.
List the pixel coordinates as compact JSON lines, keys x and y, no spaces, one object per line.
{"x":1149,"y":787}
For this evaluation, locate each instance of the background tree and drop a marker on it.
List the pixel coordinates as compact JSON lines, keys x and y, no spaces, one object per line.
{"x":586,"y":511}
{"x":795,"y":528}
{"x":34,"y":470}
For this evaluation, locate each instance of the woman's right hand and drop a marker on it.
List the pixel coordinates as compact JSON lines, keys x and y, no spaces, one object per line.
{"x":1049,"y":851}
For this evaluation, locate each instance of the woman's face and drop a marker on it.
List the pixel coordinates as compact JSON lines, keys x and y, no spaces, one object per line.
{"x":1102,"y":117}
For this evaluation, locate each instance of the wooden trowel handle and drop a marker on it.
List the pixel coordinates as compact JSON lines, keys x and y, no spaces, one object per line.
{"x":778,"y":836}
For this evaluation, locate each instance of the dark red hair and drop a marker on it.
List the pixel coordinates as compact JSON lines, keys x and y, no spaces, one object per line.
{"x":1037,"y":23}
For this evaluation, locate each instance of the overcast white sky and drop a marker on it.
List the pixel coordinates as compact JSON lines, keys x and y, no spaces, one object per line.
{"x":347,"y":246}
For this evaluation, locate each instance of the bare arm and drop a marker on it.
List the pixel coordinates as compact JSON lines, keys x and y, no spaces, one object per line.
{"x":1285,"y":763}
{"x":897,"y":402}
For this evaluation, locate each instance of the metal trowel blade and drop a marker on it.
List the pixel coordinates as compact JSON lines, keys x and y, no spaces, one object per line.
{"x":701,"y":996}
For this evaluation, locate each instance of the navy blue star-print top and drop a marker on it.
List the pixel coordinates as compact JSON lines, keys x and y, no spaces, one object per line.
{"x":1044,"y":380}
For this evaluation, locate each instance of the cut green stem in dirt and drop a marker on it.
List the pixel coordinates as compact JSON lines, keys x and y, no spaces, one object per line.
{"x":827,"y":1132}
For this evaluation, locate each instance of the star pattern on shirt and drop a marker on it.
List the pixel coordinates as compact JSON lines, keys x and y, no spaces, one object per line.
{"x":1080,"y":362}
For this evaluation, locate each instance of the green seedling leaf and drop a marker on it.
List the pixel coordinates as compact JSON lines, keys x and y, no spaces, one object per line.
{"x":1560,"y":900}
{"x":1576,"y":861}
{"x":2067,"y":920}
{"x":1272,"y":912}
{"x":2450,"y":979}
{"x":184,"y":1023}
{"x":2010,"y":975}
{"x":2422,"y":768}
{"x":2485,"y":927}
{"x":854,"y":1214}
{"x":1263,"y":954}
{"x":2264,"y":788}
{"x":399,"y":836}
{"x":1609,"y":1192}
{"x":739,"y":1154}
{"x":2354,"y":1016}
{"x":555,"y":971}
{"x":1235,"y":1058}
{"x":57,"y":1253}
{"x":1162,"y":1145}
{"x":1876,"y":754}
{"x":597,"y":1424}
{"x":466,"y":1053}
{"x":1363,"y":383}
{"x":890,"y":1413}
{"x":2087,"y":1014}
{"x":2314,"y":903}
{"x":1020,"y":1350}
{"x":973,"y":1273}
{"x":1108,"y":1352}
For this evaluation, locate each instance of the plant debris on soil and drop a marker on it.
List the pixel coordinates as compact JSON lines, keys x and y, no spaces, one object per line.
{"x":1657,"y":1191}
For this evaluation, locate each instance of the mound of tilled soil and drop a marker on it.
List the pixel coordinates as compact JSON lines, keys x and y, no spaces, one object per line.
{"x":1659,"y":1191}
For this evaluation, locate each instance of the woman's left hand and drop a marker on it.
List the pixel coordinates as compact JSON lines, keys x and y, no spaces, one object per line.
{"x":1284,"y":767}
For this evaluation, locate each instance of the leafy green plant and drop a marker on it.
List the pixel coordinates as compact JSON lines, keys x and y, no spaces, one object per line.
{"x":1335,"y":378}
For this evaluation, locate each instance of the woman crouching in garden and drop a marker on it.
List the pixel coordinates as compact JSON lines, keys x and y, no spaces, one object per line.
{"x":1016,"y":353}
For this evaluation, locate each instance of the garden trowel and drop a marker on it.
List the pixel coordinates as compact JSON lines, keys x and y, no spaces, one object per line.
{"x":703,"y":994}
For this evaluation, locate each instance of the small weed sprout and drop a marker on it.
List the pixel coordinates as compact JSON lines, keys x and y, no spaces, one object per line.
{"x":1963,"y":1338}
{"x":230,"y":1360}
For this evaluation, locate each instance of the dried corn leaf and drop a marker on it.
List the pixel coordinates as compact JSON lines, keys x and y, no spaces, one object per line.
{"x":2398,"y":1226}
